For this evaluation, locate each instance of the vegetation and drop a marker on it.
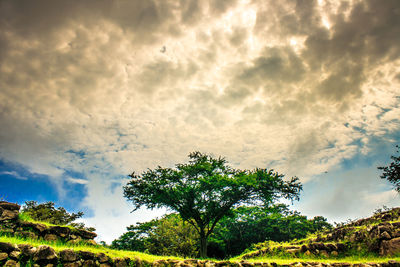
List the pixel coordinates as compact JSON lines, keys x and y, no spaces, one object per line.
{"x":58,"y":246}
{"x":47,"y":213}
{"x":247,"y":225}
{"x":392,"y":171}
{"x":169,"y":235}
{"x":207,"y":189}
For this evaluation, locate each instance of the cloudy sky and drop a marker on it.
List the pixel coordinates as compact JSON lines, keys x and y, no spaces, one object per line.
{"x":93,"y":90}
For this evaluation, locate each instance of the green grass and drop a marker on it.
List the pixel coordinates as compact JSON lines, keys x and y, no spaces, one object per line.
{"x":279,"y":259}
{"x":113,"y":253}
{"x":26,"y":218}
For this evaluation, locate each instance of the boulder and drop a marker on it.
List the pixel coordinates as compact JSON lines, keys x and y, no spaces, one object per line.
{"x":390,"y":247}
{"x":9,"y":215}
{"x":68,"y":255}
{"x":45,"y":254}
{"x":102,"y":258}
{"x":59,"y":231}
{"x":72,"y":264}
{"x":50,"y":237}
{"x":7,"y":247}
{"x":14,"y":254}
{"x":85,"y":234}
{"x":89,"y":263}
{"x":118,"y":262}
{"x":3,"y":256}
{"x":9,"y":206}
{"x":87,"y":255}
{"x":11,"y":263}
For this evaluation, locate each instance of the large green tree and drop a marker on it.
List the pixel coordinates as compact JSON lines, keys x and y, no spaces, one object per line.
{"x":392,"y":171}
{"x":206,"y":189}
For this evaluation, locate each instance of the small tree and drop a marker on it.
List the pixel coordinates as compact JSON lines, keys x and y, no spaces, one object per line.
{"x":46,"y":212}
{"x":206,"y":189}
{"x":392,"y":172}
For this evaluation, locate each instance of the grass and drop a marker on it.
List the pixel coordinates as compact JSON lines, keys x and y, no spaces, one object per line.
{"x":113,"y":253}
{"x":23,"y":216}
{"x":279,"y":259}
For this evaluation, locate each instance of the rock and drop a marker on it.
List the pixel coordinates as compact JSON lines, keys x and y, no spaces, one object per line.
{"x":102,"y":257}
{"x":72,"y":264}
{"x":11,"y":263}
{"x":3,"y":256}
{"x":390,"y":247}
{"x":85,"y":234}
{"x":393,"y":263}
{"x":7,"y":247}
{"x":9,"y":206}
{"x":27,"y":250}
{"x":87,"y":255}
{"x":40,"y":227}
{"x":68,"y":255}
{"x":118,"y":262}
{"x":9,"y":215}
{"x":105,"y":265}
{"x":44,"y":253}
{"x":324,"y":253}
{"x":60,"y":231}
{"x":51,"y":237}
{"x":14,"y":254}
{"x":89,"y":263}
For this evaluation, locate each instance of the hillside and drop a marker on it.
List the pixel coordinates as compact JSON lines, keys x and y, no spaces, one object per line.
{"x":373,"y":241}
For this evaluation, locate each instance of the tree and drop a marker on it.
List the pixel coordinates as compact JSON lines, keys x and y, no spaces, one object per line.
{"x":392,"y":172}
{"x":206,"y":189}
{"x":169,"y":235}
{"x":253,"y":224}
{"x":46,"y":212}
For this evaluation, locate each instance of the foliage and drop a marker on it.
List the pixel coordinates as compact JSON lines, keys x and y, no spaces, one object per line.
{"x":169,"y":235}
{"x":206,"y":189}
{"x":250,"y":225}
{"x":46,"y":212}
{"x":392,"y":171}
{"x":232,"y":235}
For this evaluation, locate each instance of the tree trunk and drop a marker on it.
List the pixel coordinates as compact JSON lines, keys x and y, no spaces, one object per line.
{"x":203,"y":245}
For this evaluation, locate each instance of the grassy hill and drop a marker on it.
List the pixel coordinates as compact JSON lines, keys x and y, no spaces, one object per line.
{"x":373,"y":241}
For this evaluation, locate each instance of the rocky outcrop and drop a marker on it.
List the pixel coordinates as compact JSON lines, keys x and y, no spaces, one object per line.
{"x":11,"y":224}
{"x":378,"y":234}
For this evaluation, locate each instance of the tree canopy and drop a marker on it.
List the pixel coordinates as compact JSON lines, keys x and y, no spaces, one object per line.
{"x":392,"y":171}
{"x":206,"y":189}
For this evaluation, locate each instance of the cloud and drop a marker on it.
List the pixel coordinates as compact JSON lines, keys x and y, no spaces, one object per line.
{"x":13,"y":174}
{"x":300,"y":87}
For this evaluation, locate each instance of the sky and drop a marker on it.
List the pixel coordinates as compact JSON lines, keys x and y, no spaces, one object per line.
{"x":93,"y":90}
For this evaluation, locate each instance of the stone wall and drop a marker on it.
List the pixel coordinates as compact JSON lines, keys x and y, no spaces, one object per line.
{"x":11,"y":224}
{"x":27,"y":255}
{"x":378,"y":234}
